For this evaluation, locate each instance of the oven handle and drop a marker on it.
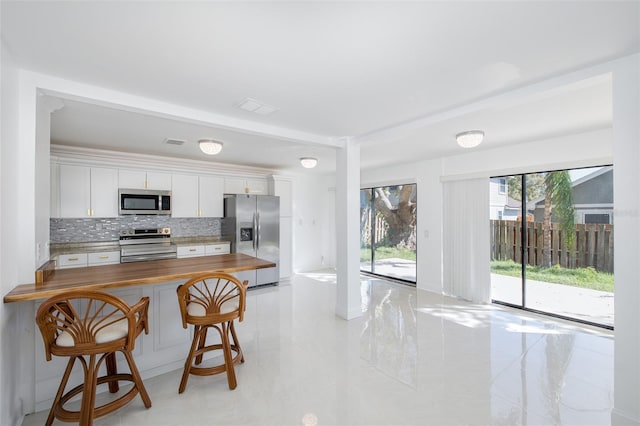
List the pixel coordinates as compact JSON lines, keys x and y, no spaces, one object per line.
{"x":147,"y":257}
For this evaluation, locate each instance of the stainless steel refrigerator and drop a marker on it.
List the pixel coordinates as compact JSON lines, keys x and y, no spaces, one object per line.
{"x":252,"y":224}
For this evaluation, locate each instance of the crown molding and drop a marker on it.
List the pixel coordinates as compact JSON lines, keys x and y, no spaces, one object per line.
{"x":124,"y":160}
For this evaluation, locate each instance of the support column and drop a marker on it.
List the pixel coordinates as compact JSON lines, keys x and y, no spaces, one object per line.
{"x":626,"y":195}
{"x":348,"y":305}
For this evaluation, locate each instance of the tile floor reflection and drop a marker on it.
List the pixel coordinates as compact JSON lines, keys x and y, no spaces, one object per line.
{"x":413,"y":358}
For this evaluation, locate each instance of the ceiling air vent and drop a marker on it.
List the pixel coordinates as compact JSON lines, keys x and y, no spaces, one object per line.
{"x":258,"y":107}
{"x":177,"y":142}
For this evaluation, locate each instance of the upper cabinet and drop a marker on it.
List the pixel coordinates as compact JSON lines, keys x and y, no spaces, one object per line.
{"x":196,"y":196}
{"x":137,"y":179}
{"x":211,"y":200}
{"x":87,"y":191}
{"x":245,"y":186}
{"x":283,"y":188}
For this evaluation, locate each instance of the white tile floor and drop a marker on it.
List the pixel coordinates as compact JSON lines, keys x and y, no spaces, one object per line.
{"x":413,"y":358}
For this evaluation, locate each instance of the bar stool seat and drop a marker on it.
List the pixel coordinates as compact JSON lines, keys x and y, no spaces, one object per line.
{"x":215,"y":301}
{"x":91,"y":327}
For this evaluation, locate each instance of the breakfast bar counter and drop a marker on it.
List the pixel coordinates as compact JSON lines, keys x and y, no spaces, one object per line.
{"x":165,"y":347}
{"x":133,"y":274}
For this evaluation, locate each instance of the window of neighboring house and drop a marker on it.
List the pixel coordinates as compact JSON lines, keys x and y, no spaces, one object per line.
{"x":499,"y":214}
{"x":596,"y":218}
{"x":503,"y":185}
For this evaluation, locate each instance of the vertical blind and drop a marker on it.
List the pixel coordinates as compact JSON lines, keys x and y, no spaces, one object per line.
{"x":466,"y":269}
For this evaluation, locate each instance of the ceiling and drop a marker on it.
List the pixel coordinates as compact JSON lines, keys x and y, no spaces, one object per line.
{"x":395,"y":76}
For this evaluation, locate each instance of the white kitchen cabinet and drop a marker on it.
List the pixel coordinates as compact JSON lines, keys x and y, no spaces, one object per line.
{"x":103,"y":258}
{"x":283,"y":188}
{"x":218,"y":248}
{"x":210,"y":196}
{"x":203,"y":250}
{"x":72,"y":260}
{"x":184,"y":195}
{"x":245,"y":186}
{"x":190,"y":251}
{"x":79,"y":260}
{"x":88,"y":191}
{"x":196,"y":196}
{"x":140,"y":179}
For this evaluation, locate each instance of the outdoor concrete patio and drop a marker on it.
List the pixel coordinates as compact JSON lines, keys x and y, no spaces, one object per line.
{"x":574,"y":302}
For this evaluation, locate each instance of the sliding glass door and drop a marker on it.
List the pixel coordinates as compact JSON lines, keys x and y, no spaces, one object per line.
{"x":552,"y":243}
{"x":388,"y":231}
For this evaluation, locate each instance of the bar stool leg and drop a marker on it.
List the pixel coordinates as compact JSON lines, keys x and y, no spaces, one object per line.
{"x":112,"y":370}
{"x":89,"y":392}
{"x":63,"y":384}
{"x":236,"y":342}
{"x":137,"y":380}
{"x":201,"y":344}
{"x":187,"y":365}
{"x":228,"y":356}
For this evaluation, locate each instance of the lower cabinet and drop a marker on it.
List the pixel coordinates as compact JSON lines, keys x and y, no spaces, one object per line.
{"x":73,"y":260}
{"x":203,"y":250}
{"x":79,"y":260}
{"x":190,"y":251}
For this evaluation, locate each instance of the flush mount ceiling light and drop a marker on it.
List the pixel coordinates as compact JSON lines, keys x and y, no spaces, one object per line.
{"x":308,"y":162}
{"x":209,"y":146}
{"x":470,"y":139}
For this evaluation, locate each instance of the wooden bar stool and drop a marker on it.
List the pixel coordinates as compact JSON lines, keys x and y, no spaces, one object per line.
{"x":212,"y":301}
{"x":90,"y":327}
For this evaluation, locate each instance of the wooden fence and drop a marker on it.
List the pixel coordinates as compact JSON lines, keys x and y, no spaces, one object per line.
{"x":381,"y":229}
{"x":593,"y":245}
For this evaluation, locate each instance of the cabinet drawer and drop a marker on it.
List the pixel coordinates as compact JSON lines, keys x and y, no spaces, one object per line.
{"x":190,"y":251}
{"x":74,"y":260}
{"x":105,"y":257}
{"x":222,"y":248}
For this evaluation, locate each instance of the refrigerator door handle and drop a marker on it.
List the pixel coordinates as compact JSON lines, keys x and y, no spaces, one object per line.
{"x":257,"y":231}
{"x":255,"y":234}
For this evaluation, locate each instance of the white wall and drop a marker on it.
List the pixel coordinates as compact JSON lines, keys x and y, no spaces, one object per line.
{"x":577,"y":150}
{"x":42,"y":180}
{"x":626,"y":129}
{"x":312,"y":221}
{"x":10,"y":411}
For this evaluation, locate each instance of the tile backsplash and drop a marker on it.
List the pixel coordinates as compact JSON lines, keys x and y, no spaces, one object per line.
{"x":108,"y":229}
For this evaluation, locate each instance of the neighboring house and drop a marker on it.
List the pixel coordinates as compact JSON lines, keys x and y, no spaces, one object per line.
{"x":592,"y":198}
{"x":512,"y":209}
{"x":498,"y":197}
{"x":502,"y":207}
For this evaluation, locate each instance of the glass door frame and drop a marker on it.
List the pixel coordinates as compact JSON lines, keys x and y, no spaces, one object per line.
{"x":524,"y":257}
{"x":373,"y":240}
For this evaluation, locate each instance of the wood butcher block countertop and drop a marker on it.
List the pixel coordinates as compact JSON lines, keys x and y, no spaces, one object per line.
{"x":136,"y":273}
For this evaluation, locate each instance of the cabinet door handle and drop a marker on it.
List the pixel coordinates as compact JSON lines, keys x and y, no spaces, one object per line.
{"x":73,"y":259}
{"x":192,"y":249}
{"x":104,"y":257}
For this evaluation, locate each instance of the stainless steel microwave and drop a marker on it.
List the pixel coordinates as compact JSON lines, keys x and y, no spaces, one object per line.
{"x":143,"y":201}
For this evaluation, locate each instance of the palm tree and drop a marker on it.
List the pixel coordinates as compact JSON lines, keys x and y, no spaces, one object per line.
{"x":558,"y":201}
